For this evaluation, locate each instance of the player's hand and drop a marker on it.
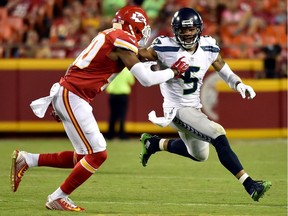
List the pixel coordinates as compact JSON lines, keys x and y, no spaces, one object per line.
{"x":55,"y":116}
{"x":245,"y":90}
{"x":180,"y":67}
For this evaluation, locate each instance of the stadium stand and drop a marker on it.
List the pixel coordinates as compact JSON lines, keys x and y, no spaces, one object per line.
{"x":63,"y":27}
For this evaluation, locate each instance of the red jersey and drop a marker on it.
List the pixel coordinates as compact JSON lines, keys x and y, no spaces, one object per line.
{"x":93,"y":70}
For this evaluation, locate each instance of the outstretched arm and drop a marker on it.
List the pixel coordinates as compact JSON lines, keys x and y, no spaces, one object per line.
{"x":143,"y":72}
{"x":232,"y":79}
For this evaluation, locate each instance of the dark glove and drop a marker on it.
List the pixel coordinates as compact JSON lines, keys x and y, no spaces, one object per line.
{"x":55,"y":116}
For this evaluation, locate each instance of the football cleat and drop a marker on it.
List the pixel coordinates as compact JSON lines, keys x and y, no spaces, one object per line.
{"x":259,"y":188}
{"x":149,"y":147}
{"x":62,"y":204}
{"x":18,"y":168}
{"x":144,"y":155}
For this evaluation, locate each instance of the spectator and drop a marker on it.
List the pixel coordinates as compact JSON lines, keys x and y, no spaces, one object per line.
{"x":280,"y":13}
{"x":238,"y":24}
{"x":31,"y":45}
{"x":44,"y":51}
{"x":271,"y":59}
{"x":235,"y":17}
{"x":119,"y":90}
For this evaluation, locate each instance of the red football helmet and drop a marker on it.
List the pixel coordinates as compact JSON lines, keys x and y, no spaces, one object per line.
{"x":135,"y":21}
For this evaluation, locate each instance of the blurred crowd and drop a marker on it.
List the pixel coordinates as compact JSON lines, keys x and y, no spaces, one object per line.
{"x":62,"y":28}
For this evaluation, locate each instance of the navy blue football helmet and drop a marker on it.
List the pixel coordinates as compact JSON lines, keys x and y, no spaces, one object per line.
{"x":187,"y":26}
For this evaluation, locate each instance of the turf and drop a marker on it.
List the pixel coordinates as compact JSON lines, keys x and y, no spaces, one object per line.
{"x":169,"y":185}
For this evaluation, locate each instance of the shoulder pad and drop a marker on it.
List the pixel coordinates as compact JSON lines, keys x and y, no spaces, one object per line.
{"x":165,"y":44}
{"x":208,"y":40}
{"x":123,"y":39}
{"x":160,"y":40}
{"x":164,"y":41}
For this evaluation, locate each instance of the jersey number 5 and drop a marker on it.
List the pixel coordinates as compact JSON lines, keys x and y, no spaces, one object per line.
{"x":190,"y":80}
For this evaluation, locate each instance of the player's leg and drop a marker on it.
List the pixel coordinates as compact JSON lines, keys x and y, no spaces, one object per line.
{"x":83,"y":131}
{"x":22,"y":161}
{"x":212,"y":132}
{"x":89,"y":144}
{"x":188,"y":146}
{"x":194,"y":122}
{"x":196,"y":149}
{"x":230,"y":161}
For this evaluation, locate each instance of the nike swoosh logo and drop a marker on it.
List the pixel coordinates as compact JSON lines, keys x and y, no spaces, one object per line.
{"x":78,"y":209}
{"x":19,"y":174}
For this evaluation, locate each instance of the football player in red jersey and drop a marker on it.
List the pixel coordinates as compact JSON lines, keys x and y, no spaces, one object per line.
{"x":107,"y":54}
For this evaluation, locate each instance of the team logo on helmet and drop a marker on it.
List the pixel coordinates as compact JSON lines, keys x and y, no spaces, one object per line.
{"x":138,"y":17}
{"x":187,"y":23}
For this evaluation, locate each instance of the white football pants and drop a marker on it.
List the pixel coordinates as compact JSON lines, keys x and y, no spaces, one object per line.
{"x":196,"y":131}
{"x":79,"y":122}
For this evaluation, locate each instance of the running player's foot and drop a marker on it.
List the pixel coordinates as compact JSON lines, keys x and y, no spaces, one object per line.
{"x":18,"y":168}
{"x":259,"y":188}
{"x":62,"y":204}
{"x":150,"y":145}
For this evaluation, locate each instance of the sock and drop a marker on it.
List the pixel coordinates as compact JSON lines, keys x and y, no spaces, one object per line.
{"x":65,"y":159}
{"x":82,"y":171}
{"x":243,"y":178}
{"x":161,"y":144}
{"x":177,"y":146}
{"x":31,"y":159}
{"x":57,"y":194}
{"x":226,"y":156}
{"x":77,"y":177}
{"x":248,"y":183}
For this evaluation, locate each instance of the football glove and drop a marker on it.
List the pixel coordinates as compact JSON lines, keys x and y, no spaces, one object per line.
{"x":55,"y":116}
{"x":245,"y":90}
{"x":180,"y":66}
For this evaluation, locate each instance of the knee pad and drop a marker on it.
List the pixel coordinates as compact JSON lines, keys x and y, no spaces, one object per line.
{"x":77,"y":157}
{"x":202,"y":156}
{"x":198,"y":149}
{"x":95,"y":160}
{"x":218,"y":130}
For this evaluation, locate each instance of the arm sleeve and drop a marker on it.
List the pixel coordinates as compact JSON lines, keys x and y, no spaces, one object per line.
{"x":229,"y":77}
{"x":147,"y":77}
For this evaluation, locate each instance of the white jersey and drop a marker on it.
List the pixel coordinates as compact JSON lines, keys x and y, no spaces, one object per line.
{"x":185,"y":91}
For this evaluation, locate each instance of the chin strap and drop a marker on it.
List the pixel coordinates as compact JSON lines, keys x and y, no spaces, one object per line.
{"x":117,"y":25}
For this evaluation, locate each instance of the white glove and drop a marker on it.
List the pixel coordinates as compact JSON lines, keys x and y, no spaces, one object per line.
{"x":245,"y":90}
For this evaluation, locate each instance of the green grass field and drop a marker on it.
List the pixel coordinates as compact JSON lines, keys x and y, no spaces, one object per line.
{"x":169,"y":185}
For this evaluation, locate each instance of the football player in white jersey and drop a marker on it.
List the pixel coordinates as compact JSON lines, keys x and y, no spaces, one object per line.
{"x":182,"y":105}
